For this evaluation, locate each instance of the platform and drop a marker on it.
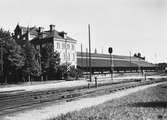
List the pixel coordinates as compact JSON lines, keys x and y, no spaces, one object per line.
{"x":35,"y":86}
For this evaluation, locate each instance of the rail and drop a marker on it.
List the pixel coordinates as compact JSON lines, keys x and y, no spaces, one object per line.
{"x":10,"y":103}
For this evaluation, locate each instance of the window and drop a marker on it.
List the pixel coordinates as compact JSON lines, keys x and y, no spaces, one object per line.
{"x":63,"y":45}
{"x":72,"y":47}
{"x":73,"y":56}
{"x":68,"y":46}
{"x":64,"y":56}
{"x":58,"y":45}
{"x":68,"y":56}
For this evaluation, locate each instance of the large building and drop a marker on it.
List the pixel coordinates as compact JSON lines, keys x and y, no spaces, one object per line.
{"x":102,"y":63}
{"x":66,"y":46}
{"x":39,"y":37}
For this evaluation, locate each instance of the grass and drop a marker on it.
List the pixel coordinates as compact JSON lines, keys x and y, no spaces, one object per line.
{"x":150,"y":104}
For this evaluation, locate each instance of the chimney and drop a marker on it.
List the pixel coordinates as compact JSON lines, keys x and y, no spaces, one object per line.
{"x":40,"y":29}
{"x":63,"y":34}
{"x":52,"y":27}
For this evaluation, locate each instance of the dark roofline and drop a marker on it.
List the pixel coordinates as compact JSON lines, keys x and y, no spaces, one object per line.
{"x":49,"y":34}
{"x":58,"y":36}
{"x":104,"y":55}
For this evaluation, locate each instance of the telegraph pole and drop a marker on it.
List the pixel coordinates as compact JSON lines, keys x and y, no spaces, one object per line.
{"x":81,"y":57}
{"x":90,"y":68}
{"x":110,"y":50}
{"x":66,"y":56}
{"x":87,"y":60}
{"x":130,"y":59}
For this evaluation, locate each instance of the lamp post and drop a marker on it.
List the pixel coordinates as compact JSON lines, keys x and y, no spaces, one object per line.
{"x":110,"y":50}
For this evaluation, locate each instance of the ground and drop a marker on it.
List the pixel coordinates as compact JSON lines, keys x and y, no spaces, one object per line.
{"x":149,"y":104}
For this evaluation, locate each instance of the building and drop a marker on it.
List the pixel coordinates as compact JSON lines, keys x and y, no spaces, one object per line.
{"x":23,"y":34}
{"x":101,"y":63}
{"x":62,"y":43}
{"x":66,"y":46}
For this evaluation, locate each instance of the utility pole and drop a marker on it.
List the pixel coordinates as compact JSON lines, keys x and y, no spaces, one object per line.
{"x":66,"y":56}
{"x":130,"y":60}
{"x":110,"y":50}
{"x":82,"y":57}
{"x":87,"y":60}
{"x":66,"y":50}
{"x":90,"y":68}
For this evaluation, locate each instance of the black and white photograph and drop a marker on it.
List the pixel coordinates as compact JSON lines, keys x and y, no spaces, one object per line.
{"x":83,"y":59}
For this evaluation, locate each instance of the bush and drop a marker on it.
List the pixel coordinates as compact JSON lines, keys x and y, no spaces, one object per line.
{"x":69,"y":72}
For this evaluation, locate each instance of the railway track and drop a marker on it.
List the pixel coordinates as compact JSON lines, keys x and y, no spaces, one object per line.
{"x":10,"y":103}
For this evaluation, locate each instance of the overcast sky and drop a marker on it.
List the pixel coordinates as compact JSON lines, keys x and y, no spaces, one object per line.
{"x":126,"y":25}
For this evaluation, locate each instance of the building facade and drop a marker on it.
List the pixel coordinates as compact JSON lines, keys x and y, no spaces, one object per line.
{"x":63,"y":44}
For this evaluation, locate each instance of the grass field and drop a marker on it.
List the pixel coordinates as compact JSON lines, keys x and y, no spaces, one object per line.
{"x":150,"y":104}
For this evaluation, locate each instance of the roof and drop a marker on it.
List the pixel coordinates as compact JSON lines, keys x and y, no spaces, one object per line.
{"x":32,"y":30}
{"x":56,"y":34}
{"x":46,"y":34}
{"x":103,"y":60}
{"x":104,"y":63}
{"x":106,"y":56}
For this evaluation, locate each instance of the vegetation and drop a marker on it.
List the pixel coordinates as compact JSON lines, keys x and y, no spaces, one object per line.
{"x":138,"y":55}
{"x":25,"y":63}
{"x":13,"y":60}
{"x":32,"y":66}
{"x":69,"y":72}
{"x":50,"y":61}
{"x":148,"y":104}
{"x":12,"y":57}
{"x":162,"y":66}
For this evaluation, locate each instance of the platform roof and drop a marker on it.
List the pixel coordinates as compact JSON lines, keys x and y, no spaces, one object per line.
{"x":103,"y":60}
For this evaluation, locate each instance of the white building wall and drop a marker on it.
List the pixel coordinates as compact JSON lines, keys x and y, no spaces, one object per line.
{"x":68,"y":47}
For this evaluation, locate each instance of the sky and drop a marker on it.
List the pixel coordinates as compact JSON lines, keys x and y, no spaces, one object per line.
{"x":128,"y":26}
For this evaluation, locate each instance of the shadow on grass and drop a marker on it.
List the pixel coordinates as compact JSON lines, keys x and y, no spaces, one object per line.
{"x":154,"y":104}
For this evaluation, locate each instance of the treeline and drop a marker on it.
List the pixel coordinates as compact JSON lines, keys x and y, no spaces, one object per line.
{"x":138,"y":55}
{"x":25,"y":63}
{"x":162,"y":66}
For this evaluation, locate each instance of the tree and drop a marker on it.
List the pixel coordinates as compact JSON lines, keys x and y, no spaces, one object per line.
{"x":32,"y":67}
{"x":162,"y":66}
{"x":50,"y":60}
{"x":4,"y":34}
{"x":13,"y":59}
